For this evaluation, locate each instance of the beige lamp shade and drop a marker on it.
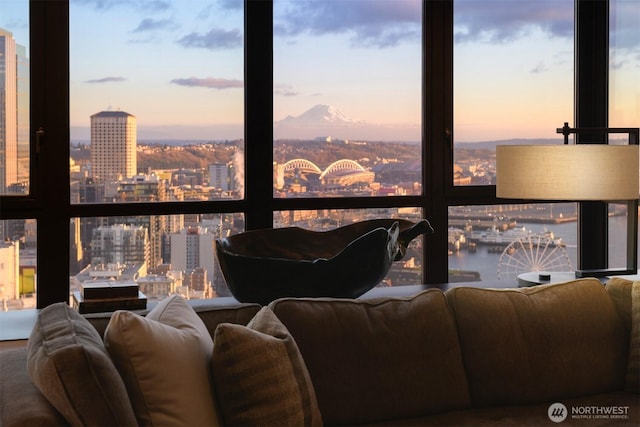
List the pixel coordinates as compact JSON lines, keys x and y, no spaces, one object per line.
{"x":567,"y":172}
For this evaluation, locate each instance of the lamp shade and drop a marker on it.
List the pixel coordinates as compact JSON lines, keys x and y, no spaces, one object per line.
{"x":567,"y":172}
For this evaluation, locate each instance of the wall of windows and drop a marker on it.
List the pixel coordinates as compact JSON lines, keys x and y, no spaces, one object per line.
{"x":232,"y":79}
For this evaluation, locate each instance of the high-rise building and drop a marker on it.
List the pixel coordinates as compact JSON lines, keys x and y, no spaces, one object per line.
{"x":14,"y":115}
{"x":219,"y":176}
{"x":120,"y":244}
{"x":193,"y":248}
{"x":113,"y":146}
{"x":22,"y":134}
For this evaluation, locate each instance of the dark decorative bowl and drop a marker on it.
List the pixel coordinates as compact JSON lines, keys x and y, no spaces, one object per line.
{"x":263,"y":265}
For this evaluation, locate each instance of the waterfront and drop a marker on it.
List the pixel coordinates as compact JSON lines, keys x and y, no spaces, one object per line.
{"x":486,"y":263}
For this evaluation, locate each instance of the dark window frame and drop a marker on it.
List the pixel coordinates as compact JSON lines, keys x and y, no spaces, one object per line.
{"x":49,"y":201}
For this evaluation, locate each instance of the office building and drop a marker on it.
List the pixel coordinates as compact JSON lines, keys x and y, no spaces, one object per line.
{"x":14,"y":115}
{"x":191,"y":249}
{"x":113,"y":146}
{"x":120,"y":244}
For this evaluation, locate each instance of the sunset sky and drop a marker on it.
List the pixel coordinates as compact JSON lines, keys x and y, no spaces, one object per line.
{"x":178,"y":65}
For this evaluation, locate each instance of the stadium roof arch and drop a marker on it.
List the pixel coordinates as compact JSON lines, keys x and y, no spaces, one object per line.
{"x":342,"y":166}
{"x":303,"y":165}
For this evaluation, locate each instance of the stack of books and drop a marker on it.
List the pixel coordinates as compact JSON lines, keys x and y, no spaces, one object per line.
{"x":105,"y":296}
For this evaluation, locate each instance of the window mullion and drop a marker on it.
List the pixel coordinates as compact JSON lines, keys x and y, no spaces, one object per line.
{"x":49,"y":23}
{"x":258,"y":78}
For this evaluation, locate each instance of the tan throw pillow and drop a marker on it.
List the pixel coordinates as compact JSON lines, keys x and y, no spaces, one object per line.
{"x":164,"y":360}
{"x":633,"y":366}
{"x":68,"y":363}
{"x":260,"y":377}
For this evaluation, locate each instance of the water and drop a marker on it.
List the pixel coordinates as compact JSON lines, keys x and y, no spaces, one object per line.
{"x":487,"y":263}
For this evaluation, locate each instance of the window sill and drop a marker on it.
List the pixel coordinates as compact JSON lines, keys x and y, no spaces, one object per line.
{"x":17,"y":324}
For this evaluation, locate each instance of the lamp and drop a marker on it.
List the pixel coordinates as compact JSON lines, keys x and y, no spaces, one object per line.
{"x":579,"y":172}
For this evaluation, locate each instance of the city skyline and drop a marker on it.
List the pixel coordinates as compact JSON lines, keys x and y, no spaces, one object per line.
{"x":365,"y":60}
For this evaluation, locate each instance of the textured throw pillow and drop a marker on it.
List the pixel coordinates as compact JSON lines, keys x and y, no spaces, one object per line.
{"x":260,"y":377}
{"x":633,"y":366}
{"x":164,"y":360}
{"x":68,"y":363}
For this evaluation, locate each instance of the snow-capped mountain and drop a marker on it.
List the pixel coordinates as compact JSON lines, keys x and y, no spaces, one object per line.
{"x":319,"y":115}
{"x":327,"y":121}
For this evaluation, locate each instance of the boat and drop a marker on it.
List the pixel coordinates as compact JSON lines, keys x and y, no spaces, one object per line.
{"x":495,"y":237}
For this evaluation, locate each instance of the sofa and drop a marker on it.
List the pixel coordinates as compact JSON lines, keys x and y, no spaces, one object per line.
{"x":565,"y":354}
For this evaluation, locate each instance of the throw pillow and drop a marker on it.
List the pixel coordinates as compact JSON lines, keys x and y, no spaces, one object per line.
{"x":633,"y":366}
{"x":164,"y":360}
{"x":68,"y":363}
{"x":260,"y":377}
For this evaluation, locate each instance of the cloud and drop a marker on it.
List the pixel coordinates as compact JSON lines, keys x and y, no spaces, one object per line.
{"x":540,"y":68}
{"x":209,"y":82}
{"x":377,"y":24}
{"x":107,"y":80}
{"x":215,"y":39}
{"x":150,"y":24}
{"x":285,"y":90}
{"x":147,"y":5}
{"x":232,"y":4}
{"x":500,"y":21}
{"x":388,"y":23}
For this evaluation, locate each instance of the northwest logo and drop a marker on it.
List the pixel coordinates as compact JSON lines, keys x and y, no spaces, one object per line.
{"x":557,"y":412}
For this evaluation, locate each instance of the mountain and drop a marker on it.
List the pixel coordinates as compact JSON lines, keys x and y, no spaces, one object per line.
{"x":318,"y":116}
{"x":326,"y":120}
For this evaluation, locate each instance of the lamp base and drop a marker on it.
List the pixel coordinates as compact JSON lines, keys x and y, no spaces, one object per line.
{"x":606,"y":272}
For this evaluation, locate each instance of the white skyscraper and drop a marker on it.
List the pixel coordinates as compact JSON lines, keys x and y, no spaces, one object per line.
{"x":113,"y":145}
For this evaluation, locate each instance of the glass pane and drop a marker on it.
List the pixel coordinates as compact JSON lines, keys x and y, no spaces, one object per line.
{"x":513,"y":79}
{"x":14,"y":97}
{"x":347,"y":85}
{"x":156,"y":101}
{"x":624,"y":85}
{"x":624,"y":93}
{"x":499,"y":242}
{"x":163,"y":255}
{"x":407,"y":271}
{"x":618,"y":235}
{"x":18,"y":270}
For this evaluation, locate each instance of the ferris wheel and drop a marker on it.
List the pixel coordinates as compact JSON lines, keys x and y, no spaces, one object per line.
{"x":532,"y":253}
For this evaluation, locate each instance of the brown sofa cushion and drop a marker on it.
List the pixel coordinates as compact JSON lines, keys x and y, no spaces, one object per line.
{"x":626,"y":295}
{"x":633,"y":367}
{"x":541,"y":343}
{"x":379,"y":359}
{"x":21,"y":403}
{"x":260,"y":377}
{"x":68,"y":363}
{"x":164,"y":360}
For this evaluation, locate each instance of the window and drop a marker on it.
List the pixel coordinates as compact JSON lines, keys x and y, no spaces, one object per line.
{"x":347,"y":98}
{"x":218,"y":84}
{"x":624,"y":109}
{"x":513,"y":84}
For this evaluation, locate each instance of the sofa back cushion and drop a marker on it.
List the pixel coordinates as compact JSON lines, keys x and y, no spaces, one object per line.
{"x":626,"y":296}
{"x":68,"y":363}
{"x":541,"y":343}
{"x":379,"y":359}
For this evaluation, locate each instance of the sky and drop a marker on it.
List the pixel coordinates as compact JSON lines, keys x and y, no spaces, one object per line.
{"x":178,"y":65}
